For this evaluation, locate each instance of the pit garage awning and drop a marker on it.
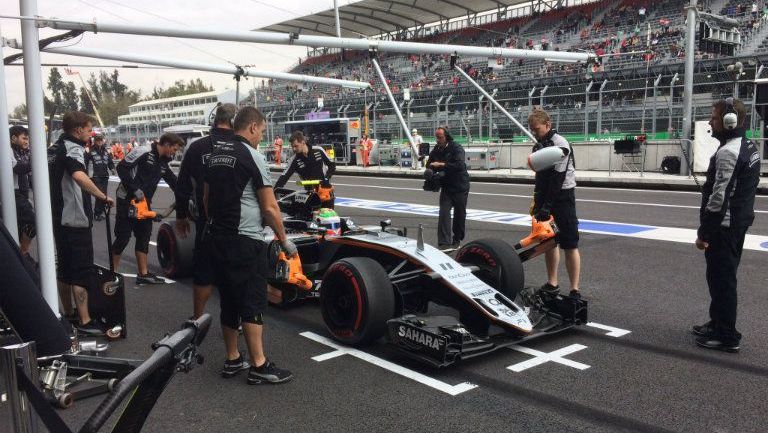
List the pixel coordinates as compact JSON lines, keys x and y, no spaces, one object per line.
{"x":375,"y":17}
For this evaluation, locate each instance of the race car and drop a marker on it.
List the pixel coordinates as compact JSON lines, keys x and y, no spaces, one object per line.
{"x":375,"y":281}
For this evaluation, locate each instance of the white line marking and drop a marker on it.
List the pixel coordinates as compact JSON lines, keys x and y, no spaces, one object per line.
{"x":387,"y":365}
{"x":153,"y":243}
{"x":614,"y":332}
{"x":167,"y":280}
{"x":528,"y":197}
{"x":522,"y":185}
{"x":543,"y":357}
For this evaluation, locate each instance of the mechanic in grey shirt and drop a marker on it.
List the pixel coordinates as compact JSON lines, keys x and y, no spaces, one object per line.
{"x":240,"y":202}
{"x":554,"y":195}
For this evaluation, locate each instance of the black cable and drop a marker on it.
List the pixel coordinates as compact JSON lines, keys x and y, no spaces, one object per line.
{"x":690,"y":165}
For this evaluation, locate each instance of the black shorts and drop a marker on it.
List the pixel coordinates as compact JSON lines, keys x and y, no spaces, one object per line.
{"x":564,"y":211}
{"x":25,"y":213}
{"x":124,"y":226}
{"x":202,"y":274}
{"x":240,"y":269}
{"x":74,"y":255}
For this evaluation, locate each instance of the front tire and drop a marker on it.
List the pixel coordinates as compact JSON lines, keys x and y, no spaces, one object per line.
{"x":357,"y":299}
{"x":500,"y":266}
{"x":175,"y":254}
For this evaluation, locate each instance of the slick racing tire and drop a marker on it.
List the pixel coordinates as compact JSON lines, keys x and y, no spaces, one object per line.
{"x":175,"y":253}
{"x":357,"y":299}
{"x":500,"y":266}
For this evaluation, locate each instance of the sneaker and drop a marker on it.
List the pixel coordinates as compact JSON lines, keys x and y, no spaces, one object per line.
{"x":90,"y":328}
{"x":268,"y":373}
{"x":703,"y":330}
{"x":444,"y":247}
{"x":574,"y":294}
{"x":716,"y":343}
{"x":232,"y":367}
{"x":456,"y":244}
{"x":549,"y":289}
{"x":149,"y":278}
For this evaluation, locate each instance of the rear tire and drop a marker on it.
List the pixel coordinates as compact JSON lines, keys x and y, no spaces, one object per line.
{"x":175,"y":254}
{"x":357,"y":299}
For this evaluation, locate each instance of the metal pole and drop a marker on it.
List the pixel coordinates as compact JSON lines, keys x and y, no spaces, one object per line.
{"x":480,"y":117}
{"x":397,"y":111}
{"x":200,"y":66}
{"x":600,"y":108}
{"x":311,"y":40}
{"x":754,"y":101}
{"x":530,"y":99}
{"x":40,"y":183}
{"x":338,"y":22}
{"x":541,"y":96}
{"x":7,"y":195}
{"x":498,"y":105}
{"x":586,"y":109}
{"x":655,"y":101}
{"x":690,"y":51}
{"x":671,"y":99}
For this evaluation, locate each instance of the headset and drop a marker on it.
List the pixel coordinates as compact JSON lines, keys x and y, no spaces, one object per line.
{"x":730,"y":117}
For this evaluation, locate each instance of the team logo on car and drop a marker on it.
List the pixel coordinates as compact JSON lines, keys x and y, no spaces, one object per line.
{"x":419,"y":337}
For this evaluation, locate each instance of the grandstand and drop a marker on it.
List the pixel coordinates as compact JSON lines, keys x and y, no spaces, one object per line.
{"x":637,"y":86}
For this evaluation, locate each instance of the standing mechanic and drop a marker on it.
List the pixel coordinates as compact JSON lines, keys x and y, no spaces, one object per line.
{"x":240,"y":203}
{"x":101,"y":161}
{"x":447,"y":159}
{"x":190,"y":188}
{"x":139,"y":173}
{"x":727,"y":211}
{"x":22,"y":183}
{"x":311,"y":163}
{"x":554,"y":195}
{"x":71,"y":189}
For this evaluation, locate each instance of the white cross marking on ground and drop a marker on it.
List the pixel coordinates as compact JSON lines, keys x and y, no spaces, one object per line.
{"x":543,"y":357}
{"x":614,"y":332}
{"x":387,"y":365}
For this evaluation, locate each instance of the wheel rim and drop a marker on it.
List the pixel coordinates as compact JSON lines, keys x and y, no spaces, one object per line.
{"x":342,"y":302}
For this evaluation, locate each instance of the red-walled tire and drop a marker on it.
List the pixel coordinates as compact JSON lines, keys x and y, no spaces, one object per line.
{"x":500,"y":266}
{"x":174,"y":253}
{"x":357,"y":299}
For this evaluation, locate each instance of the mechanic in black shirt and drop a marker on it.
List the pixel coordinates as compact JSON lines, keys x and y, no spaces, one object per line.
{"x":100,"y":160}
{"x":140,"y":172}
{"x":71,"y":189}
{"x":311,"y":163}
{"x":240,"y":202}
{"x":448,"y":157}
{"x":727,"y":211}
{"x":189,"y":190}
{"x":22,"y":183}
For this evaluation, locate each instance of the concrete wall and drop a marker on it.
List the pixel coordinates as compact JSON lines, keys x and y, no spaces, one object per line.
{"x":589,"y":155}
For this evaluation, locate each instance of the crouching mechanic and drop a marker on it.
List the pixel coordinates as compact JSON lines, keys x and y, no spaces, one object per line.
{"x":240,"y":203}
{"x":727,"y":211}
{"x":71,"y":189}
{"x":139,"y":173}
{"x":554,"y":195}
{"x":190,"y":187}
{"x":311,"y":163}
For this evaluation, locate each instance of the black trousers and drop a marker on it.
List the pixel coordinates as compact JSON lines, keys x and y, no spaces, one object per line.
{"x":458,"y":202}
{"x":723,"y":256}
{"x":101,"y":183}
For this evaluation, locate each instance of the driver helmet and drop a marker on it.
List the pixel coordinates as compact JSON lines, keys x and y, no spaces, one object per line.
{"x":328,"y":219}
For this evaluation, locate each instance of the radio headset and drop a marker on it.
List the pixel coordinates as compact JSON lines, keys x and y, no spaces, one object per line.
{"x":730,"y":117}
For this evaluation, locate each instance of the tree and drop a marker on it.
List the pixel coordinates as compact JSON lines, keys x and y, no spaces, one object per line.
{"x":19,"y":112}
{"x":63,"y":97}
{"x":111,"y":97}
{"x":180,"y":88}
{"x":85,"y":102}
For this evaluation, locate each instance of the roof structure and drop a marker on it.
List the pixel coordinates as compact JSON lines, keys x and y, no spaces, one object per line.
{"x":375,"y":17}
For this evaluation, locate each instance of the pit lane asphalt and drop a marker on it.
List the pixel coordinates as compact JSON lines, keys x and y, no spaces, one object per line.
{"x":652,"y":379}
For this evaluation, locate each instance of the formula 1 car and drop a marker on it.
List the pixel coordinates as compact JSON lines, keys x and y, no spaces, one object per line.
{"x":374,"y":281}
